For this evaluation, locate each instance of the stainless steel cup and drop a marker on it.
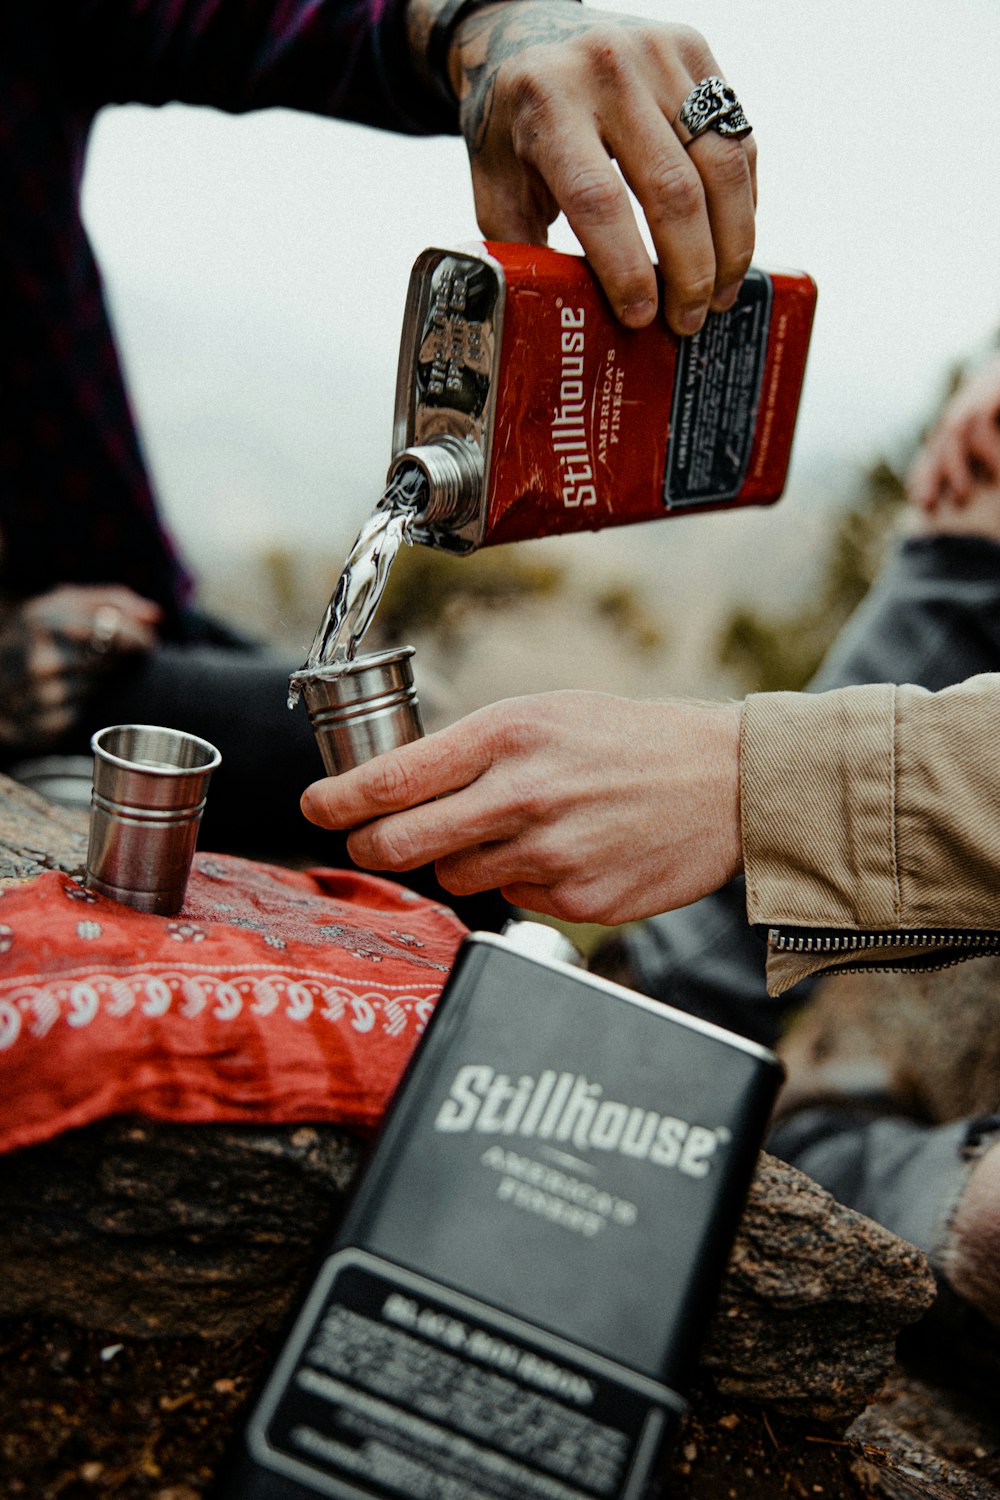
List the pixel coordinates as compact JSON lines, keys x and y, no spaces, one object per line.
{"x":148,"y":797}
{"x":362,"y":707}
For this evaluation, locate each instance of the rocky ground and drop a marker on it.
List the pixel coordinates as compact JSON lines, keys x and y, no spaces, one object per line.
{"x":149,"y":1420}
{"x":141,"y":1304}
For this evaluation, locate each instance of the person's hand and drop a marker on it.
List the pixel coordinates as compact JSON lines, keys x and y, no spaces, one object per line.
{"x":963,"y":451}
{"x":551,"y":95}
{"x":972,"y":1251}
{"x":581,"y":805}
{"x":53,"y":649}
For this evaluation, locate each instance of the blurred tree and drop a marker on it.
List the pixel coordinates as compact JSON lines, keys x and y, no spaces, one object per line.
{"x":437,"y":592}
{"x":624,"y":609}
{"x":770,"y":652}
{"x":428,"y":589}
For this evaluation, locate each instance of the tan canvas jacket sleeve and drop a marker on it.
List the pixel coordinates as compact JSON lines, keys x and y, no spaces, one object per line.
{"x":871,"y":824}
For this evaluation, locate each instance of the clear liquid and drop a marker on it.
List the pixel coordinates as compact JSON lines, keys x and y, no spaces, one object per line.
{"x":361,"y":585}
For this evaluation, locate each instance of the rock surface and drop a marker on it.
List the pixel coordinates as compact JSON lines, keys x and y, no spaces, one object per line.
{"x":172,"y":1253}
{"x":150,"y":1229}
{"x":812,"y":1302}
{"x":37,"y":835}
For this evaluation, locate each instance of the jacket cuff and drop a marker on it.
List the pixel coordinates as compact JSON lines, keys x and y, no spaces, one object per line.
{"x":818,"y":794}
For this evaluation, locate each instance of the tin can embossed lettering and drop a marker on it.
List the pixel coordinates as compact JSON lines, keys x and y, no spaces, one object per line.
{"x":532,"y":412}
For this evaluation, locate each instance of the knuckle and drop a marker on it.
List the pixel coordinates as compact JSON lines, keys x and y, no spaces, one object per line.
{"x":455,"y":879}
{"x":544,"y":866}
{"x":733,"y":263}
{"x":531,"y":102}
{"x":693,"y":287}
{"x":593,"y":195}
{"x":728,"y":166}
{"x":388,"y":782}
{"x":585,"y":895}
{"x":532,"y":800}
{"x":736,"y":266}
{"x":693,"y":50}
{"x":610,"y":63}
{"x":511,"y":731}
{"x":676,"y":186}
{"x":570,"y":904}
{"x":390,"y":845}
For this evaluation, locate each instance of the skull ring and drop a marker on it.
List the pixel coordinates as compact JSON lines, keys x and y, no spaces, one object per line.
{"x":712,"y":105}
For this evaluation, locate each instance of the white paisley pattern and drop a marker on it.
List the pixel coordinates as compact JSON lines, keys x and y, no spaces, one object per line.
{"x":33,"y":1007}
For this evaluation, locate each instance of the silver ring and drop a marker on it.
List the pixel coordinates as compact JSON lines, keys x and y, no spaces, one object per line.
{"x":712,"y":105}
{"x":104,"y":630}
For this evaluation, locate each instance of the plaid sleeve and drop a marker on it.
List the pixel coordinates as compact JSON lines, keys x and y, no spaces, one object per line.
{"x":344,"y":58}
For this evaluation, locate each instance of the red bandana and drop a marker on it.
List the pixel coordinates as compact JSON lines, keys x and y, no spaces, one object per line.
{"x":273,"y":996}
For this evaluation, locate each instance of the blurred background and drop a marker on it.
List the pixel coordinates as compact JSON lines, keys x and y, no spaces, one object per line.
{"x":257,"y":267}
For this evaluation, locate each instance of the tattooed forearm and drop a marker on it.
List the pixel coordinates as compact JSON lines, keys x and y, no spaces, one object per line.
{"x":429,"y":28}
{"x":485,"y":40}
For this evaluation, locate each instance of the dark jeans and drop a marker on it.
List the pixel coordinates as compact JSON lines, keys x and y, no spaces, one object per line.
{"x":904,"y":1175}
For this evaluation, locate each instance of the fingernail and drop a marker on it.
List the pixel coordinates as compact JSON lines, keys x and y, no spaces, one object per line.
{"x":725,"y":297}
{"x":690,"y":319}
{"x":638,"y":314}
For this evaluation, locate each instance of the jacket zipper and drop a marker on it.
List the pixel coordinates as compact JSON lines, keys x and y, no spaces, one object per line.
{"x":944,"y":947}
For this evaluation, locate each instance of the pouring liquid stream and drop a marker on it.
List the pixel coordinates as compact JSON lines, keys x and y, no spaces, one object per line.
{"x":363,"y":581}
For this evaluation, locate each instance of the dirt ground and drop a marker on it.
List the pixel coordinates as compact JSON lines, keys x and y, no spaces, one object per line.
{"x":84,"y":1418}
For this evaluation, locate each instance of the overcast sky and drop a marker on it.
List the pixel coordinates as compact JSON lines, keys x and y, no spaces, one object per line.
{"x":258,"y":265}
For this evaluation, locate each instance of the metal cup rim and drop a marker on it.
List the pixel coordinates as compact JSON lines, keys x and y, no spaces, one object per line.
{"x":213,"y":760}
{"x":371,"y":661}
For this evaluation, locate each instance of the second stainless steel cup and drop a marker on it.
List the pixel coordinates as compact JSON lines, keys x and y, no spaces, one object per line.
{"x":360,"y":708}
{"x":148,"y":796}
